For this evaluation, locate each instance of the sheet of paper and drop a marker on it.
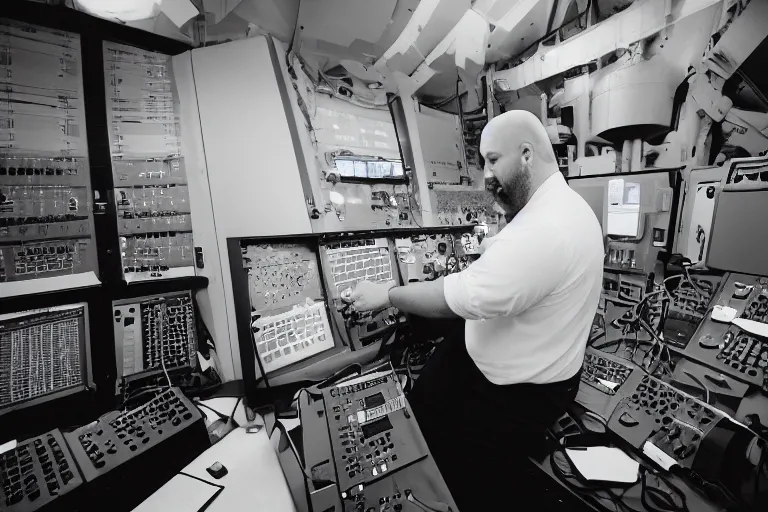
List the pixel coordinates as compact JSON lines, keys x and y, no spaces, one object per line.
{"x":182,"y":493}
{"x":604,"y":463}
{"x":608,"y":384}
{"x":654,"y":453}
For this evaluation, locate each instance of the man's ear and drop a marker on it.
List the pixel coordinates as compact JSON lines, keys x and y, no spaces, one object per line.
{"x":526,"y":153}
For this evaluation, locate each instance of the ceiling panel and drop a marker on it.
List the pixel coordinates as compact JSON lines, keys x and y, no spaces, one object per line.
{"x":341,"y":22}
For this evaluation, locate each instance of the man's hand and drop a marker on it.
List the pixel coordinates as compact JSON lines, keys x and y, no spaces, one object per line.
{"x":370,"y":296}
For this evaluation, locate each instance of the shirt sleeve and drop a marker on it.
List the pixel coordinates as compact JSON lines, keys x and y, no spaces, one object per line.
{"x":512,"y":275}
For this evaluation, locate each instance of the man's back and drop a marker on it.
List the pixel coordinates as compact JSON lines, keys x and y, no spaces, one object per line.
{"x":531,"y":297}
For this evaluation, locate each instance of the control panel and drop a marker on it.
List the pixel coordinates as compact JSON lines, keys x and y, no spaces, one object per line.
{"x":36,"y":472}
{"x":347,"y":262}
{"x":603,"y":374}
{"x":656,"y":412}
{"x":372,"y":430}
{"x":727,"y":349}
{"x":289,"y":318}
{"x":118,"y":437}
{"x":153,"y":331}
{"x":428,"y":256}
{"x":688,"y":306}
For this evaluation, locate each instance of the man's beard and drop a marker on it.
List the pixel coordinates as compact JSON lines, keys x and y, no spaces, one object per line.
{"x":512,"y":195}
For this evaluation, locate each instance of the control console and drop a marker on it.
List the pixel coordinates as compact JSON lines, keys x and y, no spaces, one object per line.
{"x":117,"y":437}
{"x":725,"y":348}
{"x":371,"y":429}
{"x":36,"y":472}
{"x":673,"y":421}
{"x":374,"y":456}
{"x":603,"y":374}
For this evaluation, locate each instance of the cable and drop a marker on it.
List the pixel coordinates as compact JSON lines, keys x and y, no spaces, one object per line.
{"x":293,"y":38}
{"x":411,"y":190}
{"x":163,"y":320}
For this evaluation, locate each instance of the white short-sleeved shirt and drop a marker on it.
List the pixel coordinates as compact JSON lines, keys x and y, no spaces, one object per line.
{"x":530,"y":299}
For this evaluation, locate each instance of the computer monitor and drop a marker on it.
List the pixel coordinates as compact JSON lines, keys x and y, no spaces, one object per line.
{"x":739,"y":232}
{"x":44,"y":355}
{"x":346,"y":261}
{"x":292,"y":323}
{"x":637,"y":212}
{"x":154,"y":334}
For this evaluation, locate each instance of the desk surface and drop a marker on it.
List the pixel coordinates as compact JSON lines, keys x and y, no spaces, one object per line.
{"x":255,"y":480}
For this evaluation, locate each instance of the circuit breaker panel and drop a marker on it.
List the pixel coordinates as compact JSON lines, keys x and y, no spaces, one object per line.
{"x":152,"y":199}
{"x":46,"y":223}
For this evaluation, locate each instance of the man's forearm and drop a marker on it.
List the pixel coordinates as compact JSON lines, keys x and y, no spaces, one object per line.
{"x":425,"y":299}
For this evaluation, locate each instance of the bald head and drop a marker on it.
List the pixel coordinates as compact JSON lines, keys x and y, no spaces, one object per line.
{"x":518,"y":158}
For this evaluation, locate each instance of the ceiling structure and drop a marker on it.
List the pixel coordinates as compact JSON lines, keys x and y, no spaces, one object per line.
{"x":440,"y":44}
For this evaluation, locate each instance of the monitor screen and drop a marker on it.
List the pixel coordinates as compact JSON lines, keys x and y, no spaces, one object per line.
{"x":44,"y":354}
{"x":623,"y":208}
{"x":289,"y":318}
{"x":353,"y":260}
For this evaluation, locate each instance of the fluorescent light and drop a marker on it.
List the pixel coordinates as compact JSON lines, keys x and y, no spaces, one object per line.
{"x":121,"y":10}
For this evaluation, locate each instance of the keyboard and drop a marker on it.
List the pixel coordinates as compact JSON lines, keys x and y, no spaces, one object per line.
{"x":745,"y":354}
{"x":116,"y":437}
{"x":351,"y":264}
{"x":604,"y":374}
{"x":36,"y":472}
{"x":292,"y":336}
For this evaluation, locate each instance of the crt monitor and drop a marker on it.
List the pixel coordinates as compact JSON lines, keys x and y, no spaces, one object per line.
{"x":291,"y":321}
{"x":44,"y":355}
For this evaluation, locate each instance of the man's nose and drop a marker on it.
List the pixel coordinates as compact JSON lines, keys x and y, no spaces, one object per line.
{"x":487,"y":174}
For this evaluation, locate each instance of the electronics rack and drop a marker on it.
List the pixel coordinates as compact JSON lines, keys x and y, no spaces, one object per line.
{"x":151,"y":194}
{"x":346,"y":349}
{"x":46,"y":224}
{"x":150,"y":328}
{"x":80,"y":249}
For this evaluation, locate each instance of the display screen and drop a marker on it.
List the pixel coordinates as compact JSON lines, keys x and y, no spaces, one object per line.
{"x":623,"y":208}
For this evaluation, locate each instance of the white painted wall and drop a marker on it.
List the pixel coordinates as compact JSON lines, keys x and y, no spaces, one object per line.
{"x":252,"y":167}
{"x":213,"y":307}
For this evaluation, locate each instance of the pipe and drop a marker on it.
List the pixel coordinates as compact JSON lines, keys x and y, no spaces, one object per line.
{"x":626,"y":155}
{"x":636,"y":164}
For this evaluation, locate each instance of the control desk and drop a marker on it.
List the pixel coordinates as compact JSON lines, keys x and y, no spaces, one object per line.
{"x":365,"y":451}
{"x":703,"y":411}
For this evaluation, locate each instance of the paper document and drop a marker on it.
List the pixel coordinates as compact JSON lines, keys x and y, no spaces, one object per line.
{"x":655,"y":453}
{"x":604,"y":463}
{"x":182,"y":493}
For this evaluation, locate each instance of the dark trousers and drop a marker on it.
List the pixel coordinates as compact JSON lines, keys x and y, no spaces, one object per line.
{"x":480,"y":433}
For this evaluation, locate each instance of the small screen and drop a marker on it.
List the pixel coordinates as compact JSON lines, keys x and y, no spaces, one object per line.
{"x":623,"y":208}
{"x":376,"y":427}
{"x":374,"y":401}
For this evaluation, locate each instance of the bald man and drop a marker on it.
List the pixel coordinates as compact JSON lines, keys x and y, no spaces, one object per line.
{"x":528,"y":302}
